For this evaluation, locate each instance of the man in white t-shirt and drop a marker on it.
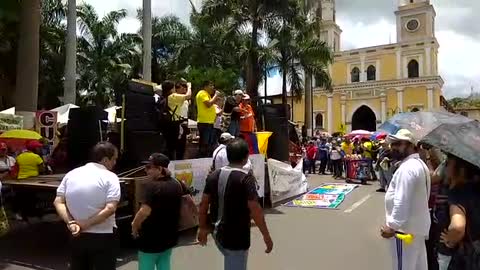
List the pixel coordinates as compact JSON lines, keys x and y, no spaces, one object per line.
{"x":87,"y":200}
{"x":406,"y":204}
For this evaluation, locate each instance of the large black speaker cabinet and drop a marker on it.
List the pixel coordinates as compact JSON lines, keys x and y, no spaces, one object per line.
{"x":140,"y":112}
{"x":86,"y":127}
{"x":139,"y":145}
{"x":140,"y":87}
{"x":276,"y":121}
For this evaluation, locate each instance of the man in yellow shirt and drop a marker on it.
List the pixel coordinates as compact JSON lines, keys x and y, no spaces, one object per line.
{"x":30,"y":164}
{"x":206,"y":115}
{"x":347,"y":146}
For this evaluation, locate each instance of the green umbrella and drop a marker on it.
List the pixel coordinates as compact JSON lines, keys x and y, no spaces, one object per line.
{"x":461,"y":140}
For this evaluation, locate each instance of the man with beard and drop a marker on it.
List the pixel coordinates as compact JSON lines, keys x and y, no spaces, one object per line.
{"x":406,"y":204}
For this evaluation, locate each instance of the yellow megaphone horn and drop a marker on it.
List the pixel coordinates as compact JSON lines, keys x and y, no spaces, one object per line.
{"x":405,"y":237}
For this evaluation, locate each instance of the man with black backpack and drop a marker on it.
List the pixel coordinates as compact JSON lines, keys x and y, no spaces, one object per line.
{"x":231,"y":196}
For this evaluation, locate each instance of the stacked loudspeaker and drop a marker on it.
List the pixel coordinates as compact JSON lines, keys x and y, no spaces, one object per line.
{"x":142,"y":128}
{"x":275,"y":118}
{"x":86,"y":127}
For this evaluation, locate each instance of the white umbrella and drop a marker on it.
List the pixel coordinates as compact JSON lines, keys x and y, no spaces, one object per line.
{"x":63,"y":112}
{"x":10,"y":111}
{"x":112,"y":113}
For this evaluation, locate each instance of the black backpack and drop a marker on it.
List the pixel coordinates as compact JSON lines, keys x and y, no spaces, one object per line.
{"x":165,"y":114}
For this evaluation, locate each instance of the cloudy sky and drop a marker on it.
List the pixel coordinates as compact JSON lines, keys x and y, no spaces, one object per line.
{"x":368,"y":23}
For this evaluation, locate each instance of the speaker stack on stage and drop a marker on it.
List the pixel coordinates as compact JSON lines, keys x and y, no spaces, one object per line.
{"x":142,"y":128}
{"x":275,"y":118}
{"x":86,"y":127}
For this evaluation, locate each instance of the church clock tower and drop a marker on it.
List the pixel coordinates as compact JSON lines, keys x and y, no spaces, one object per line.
{"x":330,"y":32}
{"x":415,"y":20}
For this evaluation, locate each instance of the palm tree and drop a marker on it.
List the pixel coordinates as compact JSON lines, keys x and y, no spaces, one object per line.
{"x":253,"y":15}
{"x":52,"y":53}
{"x":170,"y":43}
{"x":299,"y":49}
{"x":70,"y":92}
{"x":103,"y":55}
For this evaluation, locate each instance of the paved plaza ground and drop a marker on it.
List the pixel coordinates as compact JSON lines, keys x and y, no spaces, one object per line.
{"x":347,"y":238}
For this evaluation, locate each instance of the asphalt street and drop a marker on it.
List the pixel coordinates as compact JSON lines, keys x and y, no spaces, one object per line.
{"x":346,"y":238}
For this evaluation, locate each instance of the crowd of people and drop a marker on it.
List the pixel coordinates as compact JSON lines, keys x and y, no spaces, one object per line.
{"x":434,"y":197}
{"x":330,"y":154}
{"x":429,"y":194}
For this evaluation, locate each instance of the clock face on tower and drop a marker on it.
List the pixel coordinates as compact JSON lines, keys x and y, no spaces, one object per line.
{"x":412,"y":25}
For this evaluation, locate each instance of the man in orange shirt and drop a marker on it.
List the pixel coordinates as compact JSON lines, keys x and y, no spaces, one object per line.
{"x":247,"y":118}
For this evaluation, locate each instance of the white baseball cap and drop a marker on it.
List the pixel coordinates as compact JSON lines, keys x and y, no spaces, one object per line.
{"x":238,"y":92}
{"x":246,"y":96}
{"x":226,"y":136}
{"x":402,"y":135}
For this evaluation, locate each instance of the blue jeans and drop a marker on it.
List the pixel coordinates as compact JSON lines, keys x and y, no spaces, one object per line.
{"x":233,"y":259}
{"x":207,"y":138}
{"x":443,"y":261}
{"x":234,"y":128}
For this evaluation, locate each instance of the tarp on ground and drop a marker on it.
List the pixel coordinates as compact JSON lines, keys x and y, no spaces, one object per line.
{"x":326,"y":196}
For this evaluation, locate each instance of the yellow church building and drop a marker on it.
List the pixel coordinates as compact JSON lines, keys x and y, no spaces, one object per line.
{"x":374,"y":83}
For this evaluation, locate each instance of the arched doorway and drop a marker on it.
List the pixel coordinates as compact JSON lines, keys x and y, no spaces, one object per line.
{"x":364,"y":118}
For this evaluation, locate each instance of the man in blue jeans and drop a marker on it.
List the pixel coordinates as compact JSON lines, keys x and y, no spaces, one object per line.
{"x":231,"y":196}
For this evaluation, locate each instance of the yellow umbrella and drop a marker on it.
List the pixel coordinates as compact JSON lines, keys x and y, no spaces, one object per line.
{"x":21,"y":134}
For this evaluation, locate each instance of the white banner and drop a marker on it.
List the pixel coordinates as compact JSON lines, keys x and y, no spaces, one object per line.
{"x":9,"y":122}
{"x":194,"y":172}
{"x":286,"y":182}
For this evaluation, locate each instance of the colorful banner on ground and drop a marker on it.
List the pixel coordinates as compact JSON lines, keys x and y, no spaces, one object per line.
{"x":194,"y":172}
{"x":10,"y":121}
{"x":326,"y":196}
{"x":285,"y":182}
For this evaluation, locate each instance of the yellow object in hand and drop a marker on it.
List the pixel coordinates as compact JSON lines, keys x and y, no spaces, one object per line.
{"x":407,"y":238}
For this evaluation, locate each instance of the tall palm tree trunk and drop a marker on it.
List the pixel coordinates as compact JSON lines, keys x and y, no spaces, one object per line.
{"x":308,"y":100}
{"x":26,"y":94}
{"x":70,"y":92}
{"x":252,"y":66}
{"x":147,"y":40}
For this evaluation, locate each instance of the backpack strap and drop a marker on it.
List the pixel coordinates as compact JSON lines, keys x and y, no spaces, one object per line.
{"x":222,"y":185}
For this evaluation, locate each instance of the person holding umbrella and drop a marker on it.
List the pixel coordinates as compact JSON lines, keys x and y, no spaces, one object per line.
{"x":461,"y":225}
{"x":406,"y":204}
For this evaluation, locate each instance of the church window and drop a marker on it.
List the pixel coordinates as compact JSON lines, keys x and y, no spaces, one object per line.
{"x":355,"y":74}
{"x":371,"y":73}
{"x":319,"y":120}
{"x":413,"y":69}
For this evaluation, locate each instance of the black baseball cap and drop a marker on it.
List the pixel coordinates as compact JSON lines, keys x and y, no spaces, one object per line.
{"x":158,"y":160}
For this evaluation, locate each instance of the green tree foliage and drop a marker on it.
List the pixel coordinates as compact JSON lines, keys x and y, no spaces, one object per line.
{"x":103,"y":56}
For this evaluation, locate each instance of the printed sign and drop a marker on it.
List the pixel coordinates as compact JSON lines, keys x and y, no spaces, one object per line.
{"x":194,"y":172}
{"x":285,"y":182}
{"x":46,"y":125}
{"x":9,"y":122}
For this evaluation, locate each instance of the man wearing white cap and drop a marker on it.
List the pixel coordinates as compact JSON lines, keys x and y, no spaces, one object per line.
{"x":231,"y":113}
{"x":406,"y":204}
{"x":220,"y":158}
